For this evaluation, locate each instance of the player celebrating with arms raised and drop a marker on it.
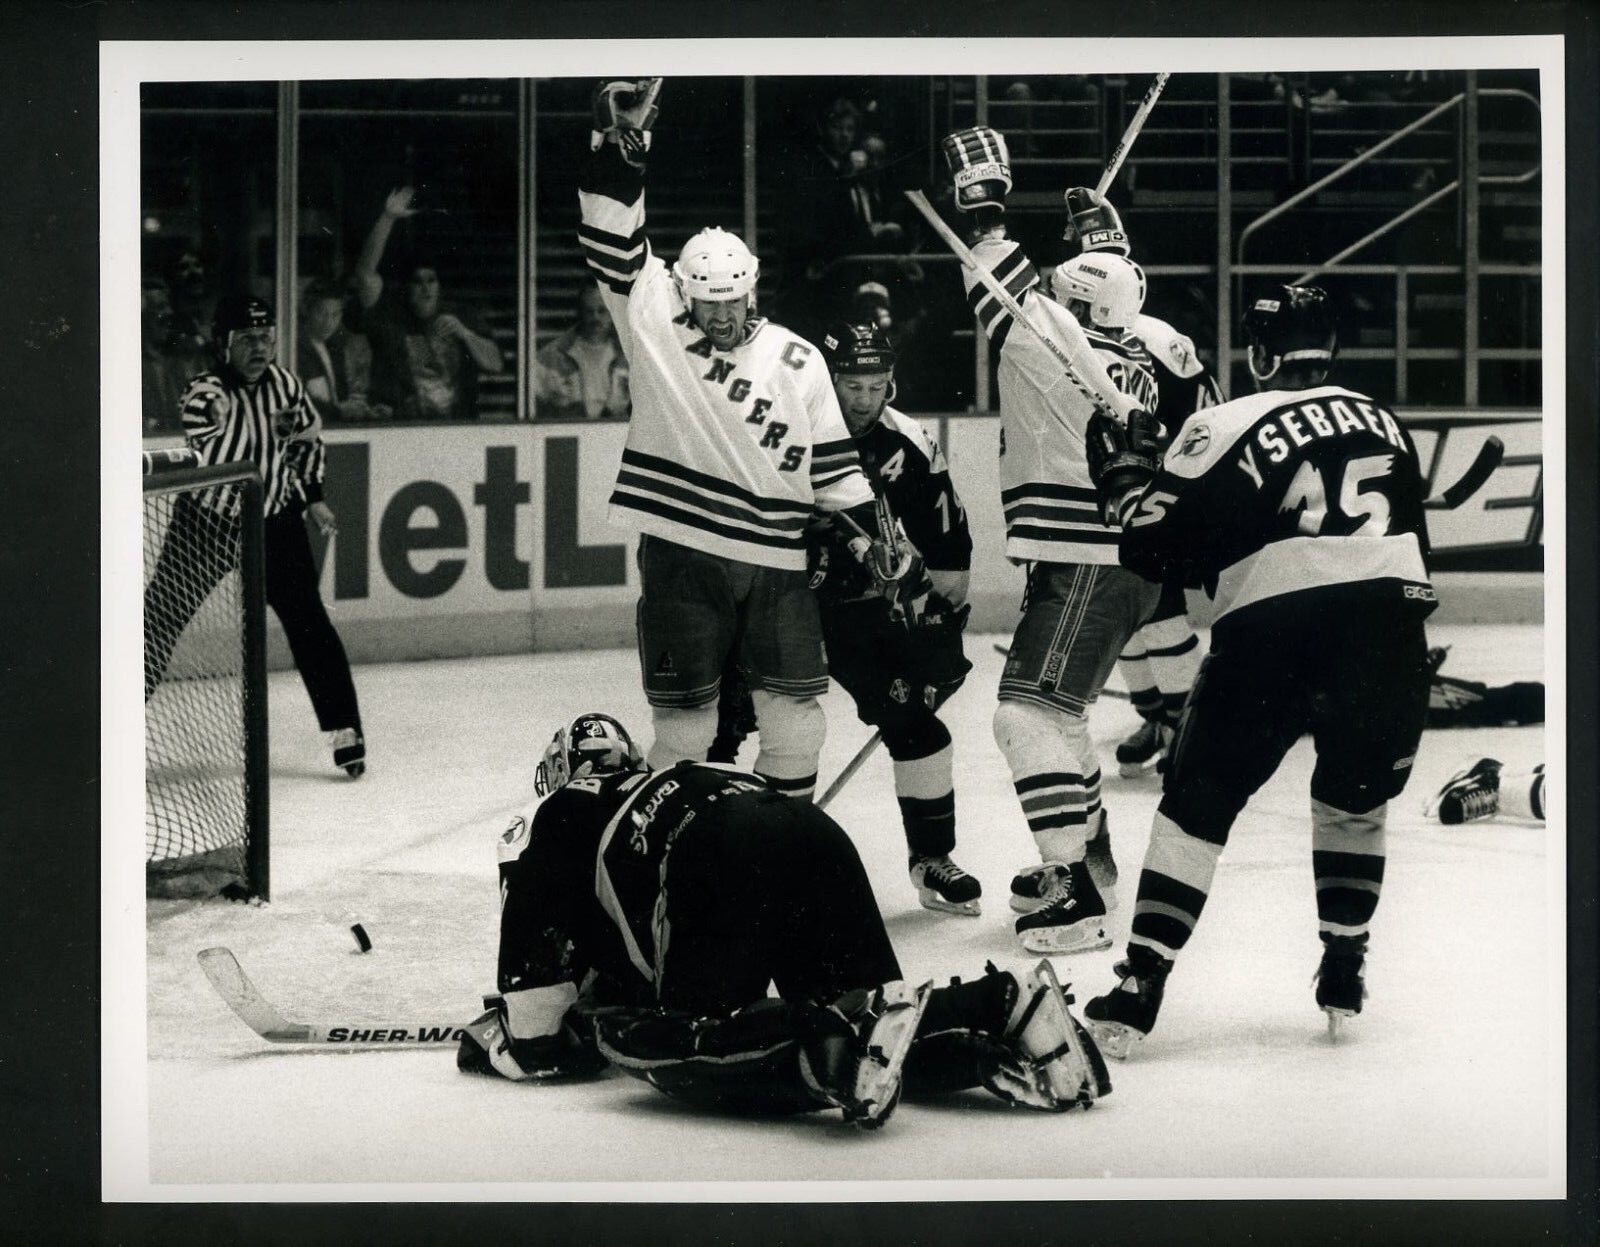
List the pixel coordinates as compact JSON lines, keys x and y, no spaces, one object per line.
{"x":1300,"y":510}
{"x":1080,"y":607}
{"x":735,"y":440}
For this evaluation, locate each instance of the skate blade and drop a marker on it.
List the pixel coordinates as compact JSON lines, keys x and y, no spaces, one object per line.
{"x":877,"y":1087}
{"x":932,"y":900}
{"x":1022,"y":905}
{"x":1136,"y":770}
{"x":1083,"y":938}
{"x":1115,"y":1039}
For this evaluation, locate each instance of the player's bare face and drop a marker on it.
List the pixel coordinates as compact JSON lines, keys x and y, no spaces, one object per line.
{"x":861,"y":398}
{"x":722,"y":321}
{"x":251,"y":350}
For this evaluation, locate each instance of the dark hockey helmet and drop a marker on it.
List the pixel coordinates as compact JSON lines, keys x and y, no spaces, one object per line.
{"x":857,"y":348}
{"x":1291,"y":325}
{"x":592,"y":744}
{"x":240,"y":311}
{"x":1093,"y":223}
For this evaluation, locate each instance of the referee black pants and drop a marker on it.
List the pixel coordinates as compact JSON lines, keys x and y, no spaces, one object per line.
{"x":190,"y":567}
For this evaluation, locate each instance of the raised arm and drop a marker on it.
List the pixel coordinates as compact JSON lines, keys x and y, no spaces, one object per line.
{"x":396,"y":206}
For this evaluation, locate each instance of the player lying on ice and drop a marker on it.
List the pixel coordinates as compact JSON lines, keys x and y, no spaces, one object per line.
{"x":645,"y":914}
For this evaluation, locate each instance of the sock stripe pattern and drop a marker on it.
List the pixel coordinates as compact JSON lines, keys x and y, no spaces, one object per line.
{"x":1091,"y":795}
{"x":1136,"y":673}
{"x":1173,"y":886}
{"x":1054,"y":803}
{"x":1347,"y":859}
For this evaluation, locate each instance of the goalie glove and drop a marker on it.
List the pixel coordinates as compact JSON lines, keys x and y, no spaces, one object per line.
{"x":624,"y":111}
{"x":1122,"y":458}
{"x":488,"y":1047}
{"x":980,"y":167}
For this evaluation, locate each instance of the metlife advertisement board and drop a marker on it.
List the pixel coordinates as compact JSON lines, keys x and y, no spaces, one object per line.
{"x":475,"y":539}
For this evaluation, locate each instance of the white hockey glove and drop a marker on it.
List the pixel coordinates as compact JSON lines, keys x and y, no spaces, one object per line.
{"x":980,"y":167}
{"x":624,"y":111}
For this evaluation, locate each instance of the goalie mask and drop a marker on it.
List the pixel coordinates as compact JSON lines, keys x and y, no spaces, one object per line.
{"x":1291,"y":325}
{"x":1111,"y":286}
{"x":592,"y":744}
{"x":860,"y":360}
{"x":1093,"y":223}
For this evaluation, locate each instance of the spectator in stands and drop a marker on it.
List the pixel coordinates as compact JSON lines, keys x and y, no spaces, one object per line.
{"x":837,"y":205}
{"x":163,"y":376}
{"x":425,"y":360}
{"x":583,"y":374}
{"x":194,"y":304}
{"x":334,"y":363}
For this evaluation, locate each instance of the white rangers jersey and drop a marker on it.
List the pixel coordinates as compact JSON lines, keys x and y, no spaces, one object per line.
{"x":728,"y":452}
{"x":1051,"y":508}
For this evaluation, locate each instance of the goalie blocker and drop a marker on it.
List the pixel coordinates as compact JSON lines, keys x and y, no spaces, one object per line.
{"x":756,"y":889}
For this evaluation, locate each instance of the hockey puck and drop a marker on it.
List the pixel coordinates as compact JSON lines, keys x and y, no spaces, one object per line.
{"x":362,"y":941}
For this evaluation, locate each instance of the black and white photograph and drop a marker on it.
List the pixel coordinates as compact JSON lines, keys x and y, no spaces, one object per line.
{"x":856,"y":619}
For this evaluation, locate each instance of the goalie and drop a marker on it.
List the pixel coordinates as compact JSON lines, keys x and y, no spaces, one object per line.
{"x":735,"y":441}
{"x":645,"y":913}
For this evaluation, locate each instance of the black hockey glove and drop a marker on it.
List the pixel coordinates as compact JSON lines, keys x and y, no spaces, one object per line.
{"x":624,"y":111}
{"x":1122,"y":459}
{"x":939,"y":664}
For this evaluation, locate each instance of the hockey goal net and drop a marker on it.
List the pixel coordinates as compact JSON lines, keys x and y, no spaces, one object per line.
{"x":205,"y":710}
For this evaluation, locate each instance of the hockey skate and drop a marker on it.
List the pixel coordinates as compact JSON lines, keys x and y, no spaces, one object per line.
{"x":1468,"y":795}
{"x":1145,"y":750}
{"x":944,"y":887}
{"x":350,"y":751}
{"x":1071,"y":916}
{"x":1055,"y":1063}
{"x":1127,"y":1013}
{"x":1340,"y":984}
{"x":861,"y":1073}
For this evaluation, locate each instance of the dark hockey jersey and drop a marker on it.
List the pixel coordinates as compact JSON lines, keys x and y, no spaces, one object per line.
{"x":905,"y":466}
{"x":1183,"y":384}
{"x":583,"y":884}
{"x":1286,"y":501}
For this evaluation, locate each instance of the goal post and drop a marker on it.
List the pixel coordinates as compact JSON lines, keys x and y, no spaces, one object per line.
{"x":205,"y":684}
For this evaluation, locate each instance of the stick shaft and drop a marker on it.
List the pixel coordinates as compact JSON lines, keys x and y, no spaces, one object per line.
{"x":1115,"y":406}
{"x":1472,"y":480}
{"x":1120,"y":153}
{"x":851,"y":767}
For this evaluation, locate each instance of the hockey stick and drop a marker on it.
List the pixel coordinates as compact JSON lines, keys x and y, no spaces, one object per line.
{"x":1114,"y":165}
{"x":1102,"y":399}
{"x":222,"y":968}
{"x":1117,"y":693}
{"x":851,"y":767}
{"x":1478,"y":471}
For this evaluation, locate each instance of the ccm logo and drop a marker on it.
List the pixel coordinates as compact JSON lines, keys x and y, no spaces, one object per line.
{"x":1421,"y":593}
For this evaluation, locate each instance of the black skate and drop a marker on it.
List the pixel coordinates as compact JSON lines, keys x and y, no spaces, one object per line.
{"x":350,"y":751}
{"x":1468,"y":795}
{"x":863,"y":1078}
{"x":1055,"y":1064}
{"x":1127,"y":1013}
{"x":1072,"y":915}
{"x":1341,"y":986}
{"x":943,"y":886}
{"x":1144,"y":750}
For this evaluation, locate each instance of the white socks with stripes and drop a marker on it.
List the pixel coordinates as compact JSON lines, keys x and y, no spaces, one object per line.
{"x":1055,"y":772}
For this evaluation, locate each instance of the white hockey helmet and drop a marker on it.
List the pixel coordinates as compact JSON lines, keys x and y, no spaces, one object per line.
{"x":1112,"y":285}
{"x":716,"y":266}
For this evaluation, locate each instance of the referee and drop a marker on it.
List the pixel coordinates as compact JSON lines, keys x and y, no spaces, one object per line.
{"x":251,"y":410}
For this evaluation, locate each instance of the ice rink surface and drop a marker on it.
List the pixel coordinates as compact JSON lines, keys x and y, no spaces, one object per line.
{"x":1446,"y":1075}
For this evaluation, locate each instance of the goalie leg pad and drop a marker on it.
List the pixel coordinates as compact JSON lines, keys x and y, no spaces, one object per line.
{"x":746,"y":1064}
{"x":1055,"y":1063}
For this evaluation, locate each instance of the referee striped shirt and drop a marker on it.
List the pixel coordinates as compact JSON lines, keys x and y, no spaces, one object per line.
{"x":228,"y":420}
